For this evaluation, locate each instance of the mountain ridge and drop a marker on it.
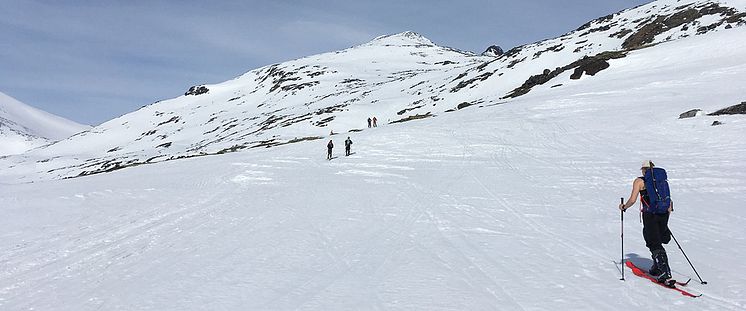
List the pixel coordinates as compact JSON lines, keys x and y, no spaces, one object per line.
{"x":397,"y":78}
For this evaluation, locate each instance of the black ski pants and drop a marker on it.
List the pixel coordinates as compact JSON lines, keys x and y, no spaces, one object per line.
{"x":655,"y":230}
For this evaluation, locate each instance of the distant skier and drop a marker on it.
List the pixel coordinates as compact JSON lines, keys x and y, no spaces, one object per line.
{"x":329,"y":148}
{"x":653,"y":185}
{"x":348,"y":145}
{"x":369,"y":120}
{"x":375,"y":122}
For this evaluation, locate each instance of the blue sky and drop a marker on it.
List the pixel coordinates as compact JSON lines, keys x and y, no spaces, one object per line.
{"x":91,"y":61}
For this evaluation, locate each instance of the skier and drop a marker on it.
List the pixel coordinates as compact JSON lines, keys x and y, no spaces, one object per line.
{"x":375,"y":122}
{"x":329,"y":148}
{"x":369,"y":120}
{"x":655,"y":226}
{"x":348,"y":144}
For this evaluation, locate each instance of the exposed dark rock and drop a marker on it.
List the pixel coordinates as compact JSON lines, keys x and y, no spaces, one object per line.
{"x":445,"y":62}
{"x":463,"y":105}
{"x":556,"y":48}
{"x":414,"y":117}
{"x":296,"y":140}
{"x":705,"y":29}
{"x":299,"y":86}
{"x":291,"y":121}
{"x":233,"y":148}
{"x":269,"y":122}
{"x":591,"y":67}
{"x":556,"y":85}
{"x":714,"y":8}
{"x":460,"y":76}
{"x":196,"y":90}
{"x":597,"y":29}
{"x":165,"y":145}
{"x":484,"y":65}
{"x":534,"y":81}
{"x":681,"y":17}
{"x":598,"y":20}
{"x":493,"y":50}
{"x":591,"y":64}
{"x":263,"y":143}
{"x":280,"y":77}
{"x":620,"y":34}
{"x":736,"y":109}
{"x":739,"y":18}
{"x":645,"y":34}
{"x":211,"y":131}
{"x":405,"y":110}
{"x":315,"y":74}
{"x":173,"y":119}
{"x":324,"y":122}
{"x":515,"y":62}
{"x":330,"y":109}
{"x":689,"y":114}
{"x":514,"y":51}
{"x":463,"y":84}
{"x":716,"y":122}
{"x":686,"y":16}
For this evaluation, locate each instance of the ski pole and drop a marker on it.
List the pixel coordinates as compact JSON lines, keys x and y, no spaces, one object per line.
{"x":621,"y":212}
{"x":687,"y":258}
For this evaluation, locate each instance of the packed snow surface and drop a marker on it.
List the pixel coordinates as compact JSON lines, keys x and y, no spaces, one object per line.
{"x":501,"y":207}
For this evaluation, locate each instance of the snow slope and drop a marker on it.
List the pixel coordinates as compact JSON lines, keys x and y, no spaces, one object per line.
{"x":395,"y":78}
{"x":498,"y":207}
{"x":23,"y":127}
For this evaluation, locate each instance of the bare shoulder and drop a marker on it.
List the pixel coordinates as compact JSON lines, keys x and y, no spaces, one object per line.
{"x":638,"y":182}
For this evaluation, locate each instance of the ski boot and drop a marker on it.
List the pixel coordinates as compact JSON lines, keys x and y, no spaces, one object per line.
{"x":661,"y":260}
{"x":654,"y":271}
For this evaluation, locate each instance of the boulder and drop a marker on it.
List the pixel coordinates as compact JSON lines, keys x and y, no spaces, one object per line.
{"x":197,"y":90}
{"x":590,"y":66}
{"x":690,"y":114}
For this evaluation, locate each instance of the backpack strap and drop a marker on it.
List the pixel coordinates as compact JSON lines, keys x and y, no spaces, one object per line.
{"x":655,"y":188}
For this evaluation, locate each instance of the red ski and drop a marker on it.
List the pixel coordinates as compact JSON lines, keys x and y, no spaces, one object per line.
{"x":641,"y":273}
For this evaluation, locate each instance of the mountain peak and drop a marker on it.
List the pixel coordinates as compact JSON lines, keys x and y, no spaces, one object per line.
{"x":407,"y":38}
{"x":494,"y":51}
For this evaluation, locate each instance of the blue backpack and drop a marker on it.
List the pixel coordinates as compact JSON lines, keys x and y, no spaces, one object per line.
{"x":656,"y":184}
